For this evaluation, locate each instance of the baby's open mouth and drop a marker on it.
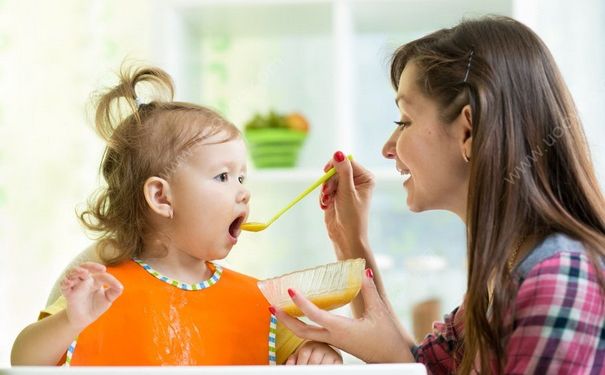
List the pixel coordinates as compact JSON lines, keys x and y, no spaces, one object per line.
{"x":234,"y":228}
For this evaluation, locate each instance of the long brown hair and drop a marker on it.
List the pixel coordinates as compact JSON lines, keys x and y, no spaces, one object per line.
{"x":143,"y":140}
{"x":531,"y":171}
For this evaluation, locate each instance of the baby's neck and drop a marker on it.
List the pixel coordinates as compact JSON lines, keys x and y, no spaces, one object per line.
{"x":179,"y":266}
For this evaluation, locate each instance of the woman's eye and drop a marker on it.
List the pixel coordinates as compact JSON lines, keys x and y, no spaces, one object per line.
{"x":223,"y":177}
{"x":402,"y":124}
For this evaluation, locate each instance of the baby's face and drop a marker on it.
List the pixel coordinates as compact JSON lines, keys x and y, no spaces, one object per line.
{"x":210,"y":201}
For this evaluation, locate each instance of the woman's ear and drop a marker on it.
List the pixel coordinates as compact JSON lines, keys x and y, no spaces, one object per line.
{"x":466,"y":122}
{"x":158,"y":196}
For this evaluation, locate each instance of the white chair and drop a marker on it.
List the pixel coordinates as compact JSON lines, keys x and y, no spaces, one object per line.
{"x":88,"y":255}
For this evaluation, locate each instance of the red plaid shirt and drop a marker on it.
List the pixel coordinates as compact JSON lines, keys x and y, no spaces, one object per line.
{"x":558,"y":323}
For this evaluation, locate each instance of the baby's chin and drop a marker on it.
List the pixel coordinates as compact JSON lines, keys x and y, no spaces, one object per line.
{"x":221,"y":254}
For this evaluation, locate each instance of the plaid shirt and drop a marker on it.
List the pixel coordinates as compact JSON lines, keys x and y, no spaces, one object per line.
{"x":558,"y":324}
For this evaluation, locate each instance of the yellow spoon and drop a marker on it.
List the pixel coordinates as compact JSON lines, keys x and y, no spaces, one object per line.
{"x":257,"y":227}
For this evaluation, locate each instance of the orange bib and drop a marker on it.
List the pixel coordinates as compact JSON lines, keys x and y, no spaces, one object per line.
{"x":158,"y":321}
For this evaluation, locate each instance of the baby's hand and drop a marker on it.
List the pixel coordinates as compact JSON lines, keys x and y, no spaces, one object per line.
{"x":89,"y":291}
{"x":315,"y":353}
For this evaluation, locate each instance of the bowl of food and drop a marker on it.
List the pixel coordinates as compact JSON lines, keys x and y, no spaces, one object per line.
{"x":275,"y":140}
{"x":328,"y":286}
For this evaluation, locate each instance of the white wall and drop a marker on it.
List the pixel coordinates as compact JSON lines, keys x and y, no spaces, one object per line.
{"x":53,"y":54}
{"x":575,"y":33}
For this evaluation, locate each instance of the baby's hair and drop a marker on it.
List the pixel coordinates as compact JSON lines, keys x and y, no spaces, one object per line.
{"x":143,"y":140}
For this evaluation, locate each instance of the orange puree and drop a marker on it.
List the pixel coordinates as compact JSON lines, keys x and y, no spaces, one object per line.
{"x":327,"y":301}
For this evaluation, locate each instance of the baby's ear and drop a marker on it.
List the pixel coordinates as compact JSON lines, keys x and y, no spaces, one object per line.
{"x":158,"y":196}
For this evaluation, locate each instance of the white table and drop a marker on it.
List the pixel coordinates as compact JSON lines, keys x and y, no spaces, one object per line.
{"x":382,"y":369}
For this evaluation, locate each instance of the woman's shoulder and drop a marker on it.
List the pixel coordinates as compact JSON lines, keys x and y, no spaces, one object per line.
{"x":558,"y":271}
{"x":557,"y":253}
{"x":558,"y":310}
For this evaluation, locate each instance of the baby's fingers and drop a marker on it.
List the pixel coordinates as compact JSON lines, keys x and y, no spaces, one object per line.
{"x":93,"y":267}
{"x":66,"y":285}
{"x":291,"y":360}
{"x":111,"y":287}
{"x":316,"y":358}
{"x":73,"y":280}
{"x":77,"y":273}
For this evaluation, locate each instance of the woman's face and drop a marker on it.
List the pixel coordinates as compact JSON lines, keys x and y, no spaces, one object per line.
{"x":428,"y":151}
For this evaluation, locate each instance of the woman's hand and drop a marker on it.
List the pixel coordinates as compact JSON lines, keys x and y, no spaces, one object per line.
{"x":89,"y":291}
{"x":345,"y":198}
{"x":374,"y":338}
{"x":315,"y":353}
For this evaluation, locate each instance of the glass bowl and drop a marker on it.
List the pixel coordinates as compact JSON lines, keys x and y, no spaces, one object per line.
{"x":328,"y":286}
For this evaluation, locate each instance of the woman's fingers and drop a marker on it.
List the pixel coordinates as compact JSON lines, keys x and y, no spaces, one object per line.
{"x":369,"y":293}
{"x":345,"y":172}
{"x":311,"y":311}
{"x":328,"y":188}
{"x":324,"y":201}
{"x":302,"y":329}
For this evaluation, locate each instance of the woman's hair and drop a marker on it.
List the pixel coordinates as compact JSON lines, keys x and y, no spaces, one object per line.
{"x":143,"y":140}
{"x":531,"y":171}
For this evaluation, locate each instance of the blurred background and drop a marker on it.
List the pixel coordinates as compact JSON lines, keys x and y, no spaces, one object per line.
{"x":325,"y":59}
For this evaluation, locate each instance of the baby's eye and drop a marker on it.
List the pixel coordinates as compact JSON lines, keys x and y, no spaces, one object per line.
{"x":223,"y":177}
{"x":241,"y":179}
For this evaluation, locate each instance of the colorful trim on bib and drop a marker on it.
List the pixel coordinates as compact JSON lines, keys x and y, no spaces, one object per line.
{"x":272,"y":338}
{"x":218,"y":271}
{"x":70,"y":353}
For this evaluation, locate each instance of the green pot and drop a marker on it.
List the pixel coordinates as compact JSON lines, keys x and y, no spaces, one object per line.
{"x":274,"y":147}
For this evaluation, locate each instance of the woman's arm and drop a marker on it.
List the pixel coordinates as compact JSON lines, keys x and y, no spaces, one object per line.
{"x":345,"y":200}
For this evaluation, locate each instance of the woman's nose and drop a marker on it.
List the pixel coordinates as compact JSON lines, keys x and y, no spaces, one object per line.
{"x":388,"y":150}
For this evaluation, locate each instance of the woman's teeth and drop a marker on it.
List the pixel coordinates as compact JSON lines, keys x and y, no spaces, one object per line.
{"x":405,"y":173}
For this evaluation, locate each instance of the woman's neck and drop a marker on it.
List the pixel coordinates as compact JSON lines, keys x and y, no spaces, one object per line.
{"x":528,"y":244}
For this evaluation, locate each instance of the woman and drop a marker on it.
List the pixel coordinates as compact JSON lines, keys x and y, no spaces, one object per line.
{"x":488,"y":131}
